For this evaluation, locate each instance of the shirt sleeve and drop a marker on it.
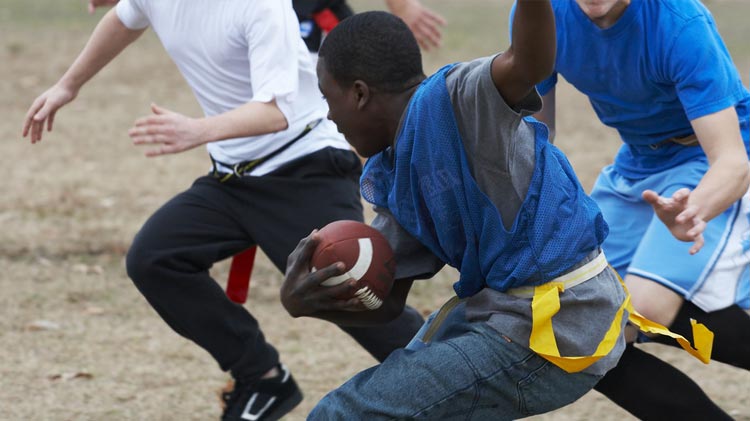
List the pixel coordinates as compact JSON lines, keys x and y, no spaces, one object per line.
{"x":472,"y":87}
{"x":702,"y":70}
{"x":499,"y":143}
{"x":132,"y":14}
{"x":274,"y":43}
{"x":476,"y":101}
{"x":546,"y":85}
{"x":413,"y":259}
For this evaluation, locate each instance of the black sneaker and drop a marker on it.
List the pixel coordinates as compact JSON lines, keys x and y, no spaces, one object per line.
{"x":266,"y":400}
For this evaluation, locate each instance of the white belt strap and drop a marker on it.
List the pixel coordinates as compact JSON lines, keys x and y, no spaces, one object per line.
{"x":570,"y":279}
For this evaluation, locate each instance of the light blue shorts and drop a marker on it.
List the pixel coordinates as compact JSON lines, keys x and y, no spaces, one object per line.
{"x":640,"y":244}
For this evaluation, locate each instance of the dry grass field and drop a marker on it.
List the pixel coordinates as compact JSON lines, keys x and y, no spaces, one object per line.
{"x":78,"y":342}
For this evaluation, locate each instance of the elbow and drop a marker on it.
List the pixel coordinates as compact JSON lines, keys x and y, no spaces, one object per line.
{"x":392,"y":314}
{"x":737,"y":168}
{"x":546,"y":70}
{"x":535,"y":66}
{"x":388,"y":312}
{"x":741,"y":167}
{"x":532,"y":71}
{"x":744,"y":176}
{"x":279,"y":123}
{"x":541,"y":70}
{"x":275,"y":119}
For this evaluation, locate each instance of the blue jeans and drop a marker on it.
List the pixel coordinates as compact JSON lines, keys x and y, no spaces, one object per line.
{"x":465,"y":370}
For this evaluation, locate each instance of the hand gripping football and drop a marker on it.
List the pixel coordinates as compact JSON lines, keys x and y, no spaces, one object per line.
{"x":366,"y":255}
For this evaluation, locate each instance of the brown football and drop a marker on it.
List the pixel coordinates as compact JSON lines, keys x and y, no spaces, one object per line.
{"x":366,"y":255}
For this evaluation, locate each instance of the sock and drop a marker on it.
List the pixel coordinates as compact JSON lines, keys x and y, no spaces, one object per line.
{"x":731,"y":327}
{"x":651,"y":389}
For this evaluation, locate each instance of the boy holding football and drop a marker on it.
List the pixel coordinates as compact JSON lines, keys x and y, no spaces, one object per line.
{"x":459,"y":176}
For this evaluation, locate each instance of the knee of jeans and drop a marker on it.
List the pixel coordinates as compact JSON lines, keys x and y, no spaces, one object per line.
{"x":325,"y":410}
{"x":342,"y":404}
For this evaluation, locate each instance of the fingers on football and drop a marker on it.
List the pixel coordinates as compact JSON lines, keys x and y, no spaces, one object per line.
{"x":299,"y":260}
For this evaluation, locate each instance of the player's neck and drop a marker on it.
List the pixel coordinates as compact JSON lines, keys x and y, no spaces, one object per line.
{"x":399,"y":103}
{"x":603,"y":18}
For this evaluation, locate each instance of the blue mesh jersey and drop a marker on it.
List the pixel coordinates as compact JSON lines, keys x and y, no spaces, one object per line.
{"x":661,"y":65}
{"x":426,"y":183}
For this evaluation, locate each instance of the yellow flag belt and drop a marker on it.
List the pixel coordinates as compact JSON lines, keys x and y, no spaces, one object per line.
{"x":546,"y":303}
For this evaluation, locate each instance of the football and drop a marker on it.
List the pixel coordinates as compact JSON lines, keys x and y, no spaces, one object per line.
{"x":366,"y":255}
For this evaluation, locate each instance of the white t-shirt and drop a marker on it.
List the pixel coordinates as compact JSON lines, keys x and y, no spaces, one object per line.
{"x":232,"y":52}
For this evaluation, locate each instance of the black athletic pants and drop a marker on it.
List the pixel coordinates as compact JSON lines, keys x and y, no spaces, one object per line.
{"x":170,"y":257}
{"x":652,"y":389}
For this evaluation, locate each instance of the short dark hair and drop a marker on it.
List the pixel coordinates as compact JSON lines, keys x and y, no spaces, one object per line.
{"x":375,"y":47}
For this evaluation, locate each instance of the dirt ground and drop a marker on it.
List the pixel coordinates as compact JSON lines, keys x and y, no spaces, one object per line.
{"x":78,"y":342}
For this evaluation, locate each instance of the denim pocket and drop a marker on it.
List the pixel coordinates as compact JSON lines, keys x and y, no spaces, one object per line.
{"x":549,"y":387}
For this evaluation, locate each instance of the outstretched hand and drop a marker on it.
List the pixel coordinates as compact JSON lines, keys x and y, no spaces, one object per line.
{"x":43,"y":109}
{"x":423,"y":22}
{"x":680,"y":217}
{"x":302,"y":293}
{"x":172,"y":132}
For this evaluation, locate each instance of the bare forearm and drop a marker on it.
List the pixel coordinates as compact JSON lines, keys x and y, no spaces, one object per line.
{"x":109,"y":38}
{"x":728,"y":176}
{"x":533,"y":39}
{"x":174,"y":132}
{"x":531,"y":55}
{"x":251,"y":119}
{"x":726,"y":181}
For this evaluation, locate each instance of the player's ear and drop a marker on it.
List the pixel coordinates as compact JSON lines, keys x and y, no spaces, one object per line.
{"x":363,"y":93}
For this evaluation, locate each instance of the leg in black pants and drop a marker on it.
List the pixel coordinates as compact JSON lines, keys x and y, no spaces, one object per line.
{"x":171,"y":255}
{"x":731,"y":328}
{"x":651,"y":389}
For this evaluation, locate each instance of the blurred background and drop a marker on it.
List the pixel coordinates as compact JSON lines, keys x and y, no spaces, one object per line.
{"x":78,"y":342}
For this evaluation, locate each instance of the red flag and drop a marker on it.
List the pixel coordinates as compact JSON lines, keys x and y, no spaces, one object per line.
{"x":326,"y":20}
{"x":238,"y":282}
